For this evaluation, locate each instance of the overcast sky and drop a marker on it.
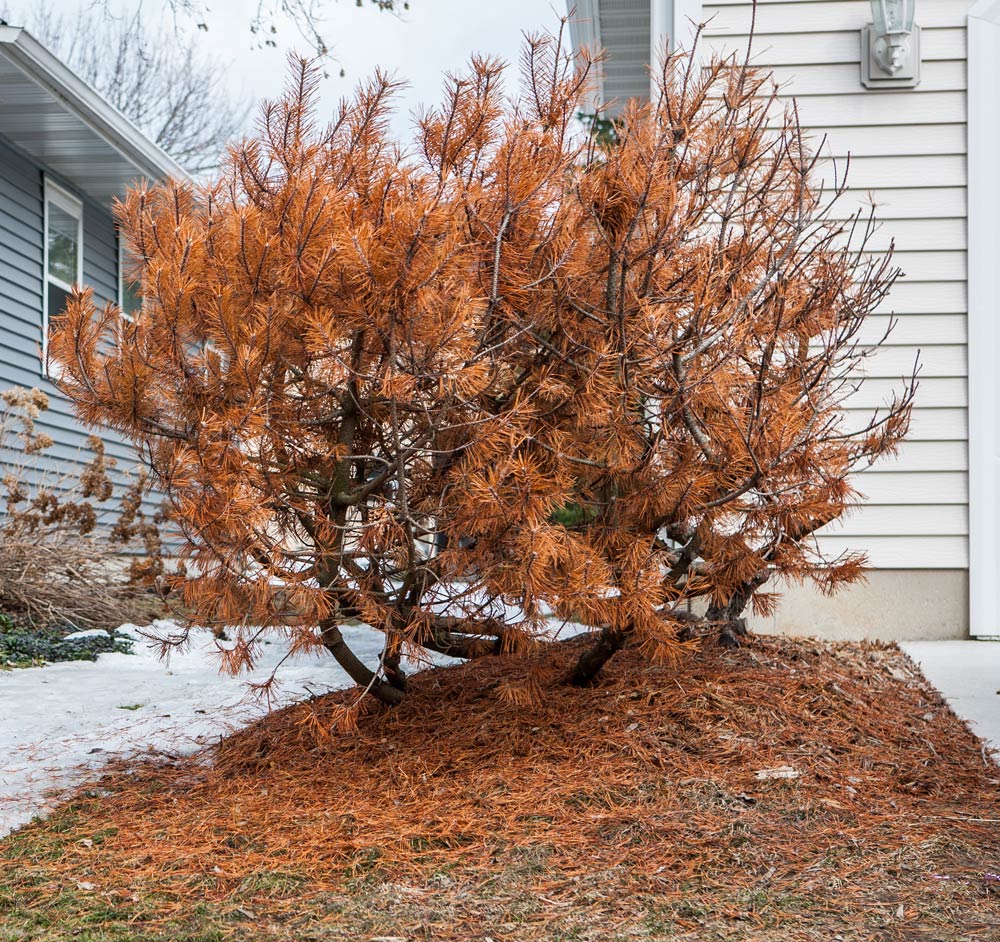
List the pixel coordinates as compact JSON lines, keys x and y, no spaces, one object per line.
{"x":419,"y":45}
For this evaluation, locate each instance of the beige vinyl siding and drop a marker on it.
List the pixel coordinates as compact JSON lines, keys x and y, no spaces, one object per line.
{"x":835,"y":47}
{"x":910,"y":139}
{"x":930,"y":424}
{"x":822,"y":16}
{"x":907,"y":154}
{"x":842,"y":79}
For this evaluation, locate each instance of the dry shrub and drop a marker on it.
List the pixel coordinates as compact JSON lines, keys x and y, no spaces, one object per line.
{"x":64,"y":536}
{"x":509,"y":371}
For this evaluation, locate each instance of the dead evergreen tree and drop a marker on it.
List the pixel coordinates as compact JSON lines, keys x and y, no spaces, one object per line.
{"x":508,"y":375}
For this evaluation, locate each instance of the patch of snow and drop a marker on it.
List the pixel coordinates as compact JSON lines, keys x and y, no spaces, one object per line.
{"x":781,"y":771}
{"x":88,"y":633}
{"x":61,"y":722}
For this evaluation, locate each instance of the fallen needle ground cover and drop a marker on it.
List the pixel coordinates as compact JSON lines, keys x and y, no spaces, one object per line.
{"x":789,"y":790}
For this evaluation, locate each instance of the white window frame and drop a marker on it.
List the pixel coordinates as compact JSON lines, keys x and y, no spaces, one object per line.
{"x":66,"y":201}
{"x":120,"y":242}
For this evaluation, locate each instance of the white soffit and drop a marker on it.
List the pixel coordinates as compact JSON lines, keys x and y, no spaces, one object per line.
{"x":60,"y":121}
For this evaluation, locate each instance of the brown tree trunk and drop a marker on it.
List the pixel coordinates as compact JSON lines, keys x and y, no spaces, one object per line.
{"x":732,"y":626}
{"x":589,"y":664}
{"x":356,"y":670}
{"x":455,"y":645}
{"x":394,"y":673}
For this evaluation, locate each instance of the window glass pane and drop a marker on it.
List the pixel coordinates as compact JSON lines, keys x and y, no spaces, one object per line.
{"x":131,"y":290}
{"x":58,"y":299}
{"x":63,"y":247}
{"x":131,"y":298}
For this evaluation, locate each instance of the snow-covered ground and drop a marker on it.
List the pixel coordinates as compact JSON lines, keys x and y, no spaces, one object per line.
{"x":61,"y":722}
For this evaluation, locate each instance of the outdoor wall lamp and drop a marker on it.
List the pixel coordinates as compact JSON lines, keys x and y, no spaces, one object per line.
{"x":890,"y":46}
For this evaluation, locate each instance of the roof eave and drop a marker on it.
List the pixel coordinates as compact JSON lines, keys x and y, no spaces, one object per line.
{"x":105,"y":120}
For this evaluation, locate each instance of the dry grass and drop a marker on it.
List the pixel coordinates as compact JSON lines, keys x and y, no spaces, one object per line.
{"x":64,"y":528}
{"x":70,"y":581}
{"x":631,"y":811}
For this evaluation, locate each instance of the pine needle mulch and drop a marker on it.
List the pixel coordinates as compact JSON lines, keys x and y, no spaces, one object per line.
{"x":790,"y":790}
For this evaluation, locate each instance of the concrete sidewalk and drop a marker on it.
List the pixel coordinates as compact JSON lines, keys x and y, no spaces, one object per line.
{"x":968,"y":675}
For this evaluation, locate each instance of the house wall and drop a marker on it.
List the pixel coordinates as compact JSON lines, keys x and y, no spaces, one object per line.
{"x":908,"y":154}
{"x":21,"y":285}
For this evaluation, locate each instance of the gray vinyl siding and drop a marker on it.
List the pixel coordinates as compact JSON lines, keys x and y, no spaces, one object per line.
{"x":20,"y":268}
{"x":21,"y":287}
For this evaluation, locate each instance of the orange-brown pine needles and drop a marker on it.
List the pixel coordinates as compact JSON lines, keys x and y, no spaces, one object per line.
{"x":827,"y":774}
{"x":508,"y":371}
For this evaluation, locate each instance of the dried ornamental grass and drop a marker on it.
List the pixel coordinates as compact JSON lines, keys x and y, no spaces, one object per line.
{"x":76,"y":552}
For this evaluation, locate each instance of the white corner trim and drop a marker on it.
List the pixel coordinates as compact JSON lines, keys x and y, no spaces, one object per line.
{"x":585,"y":33}
{"x":661,"y":32}
{"x":688,"y":14}
{"x":673,"y":22}
{"x":984,"y":312}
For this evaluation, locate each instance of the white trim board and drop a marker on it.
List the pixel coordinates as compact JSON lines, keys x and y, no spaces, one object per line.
{"x":984,"y":331}
{"x":687,"y":17}
{"x":673,"y":21}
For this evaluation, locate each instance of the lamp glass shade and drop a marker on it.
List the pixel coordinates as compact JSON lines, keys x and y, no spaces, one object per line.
{"x":893,"y":16}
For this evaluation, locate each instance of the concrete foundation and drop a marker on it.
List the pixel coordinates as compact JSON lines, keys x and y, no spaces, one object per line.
{"x":892,"y":605}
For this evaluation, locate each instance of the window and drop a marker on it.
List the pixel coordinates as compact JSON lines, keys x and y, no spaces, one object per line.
{"x":63,"y":255}
{"x":129,"y":296}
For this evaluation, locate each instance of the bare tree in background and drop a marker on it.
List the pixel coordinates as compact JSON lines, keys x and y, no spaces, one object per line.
{"x":171,"y":92}
{"x":307,"y":16}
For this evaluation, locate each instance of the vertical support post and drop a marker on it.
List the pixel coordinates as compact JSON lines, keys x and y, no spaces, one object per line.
{"x":983,"y":314}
